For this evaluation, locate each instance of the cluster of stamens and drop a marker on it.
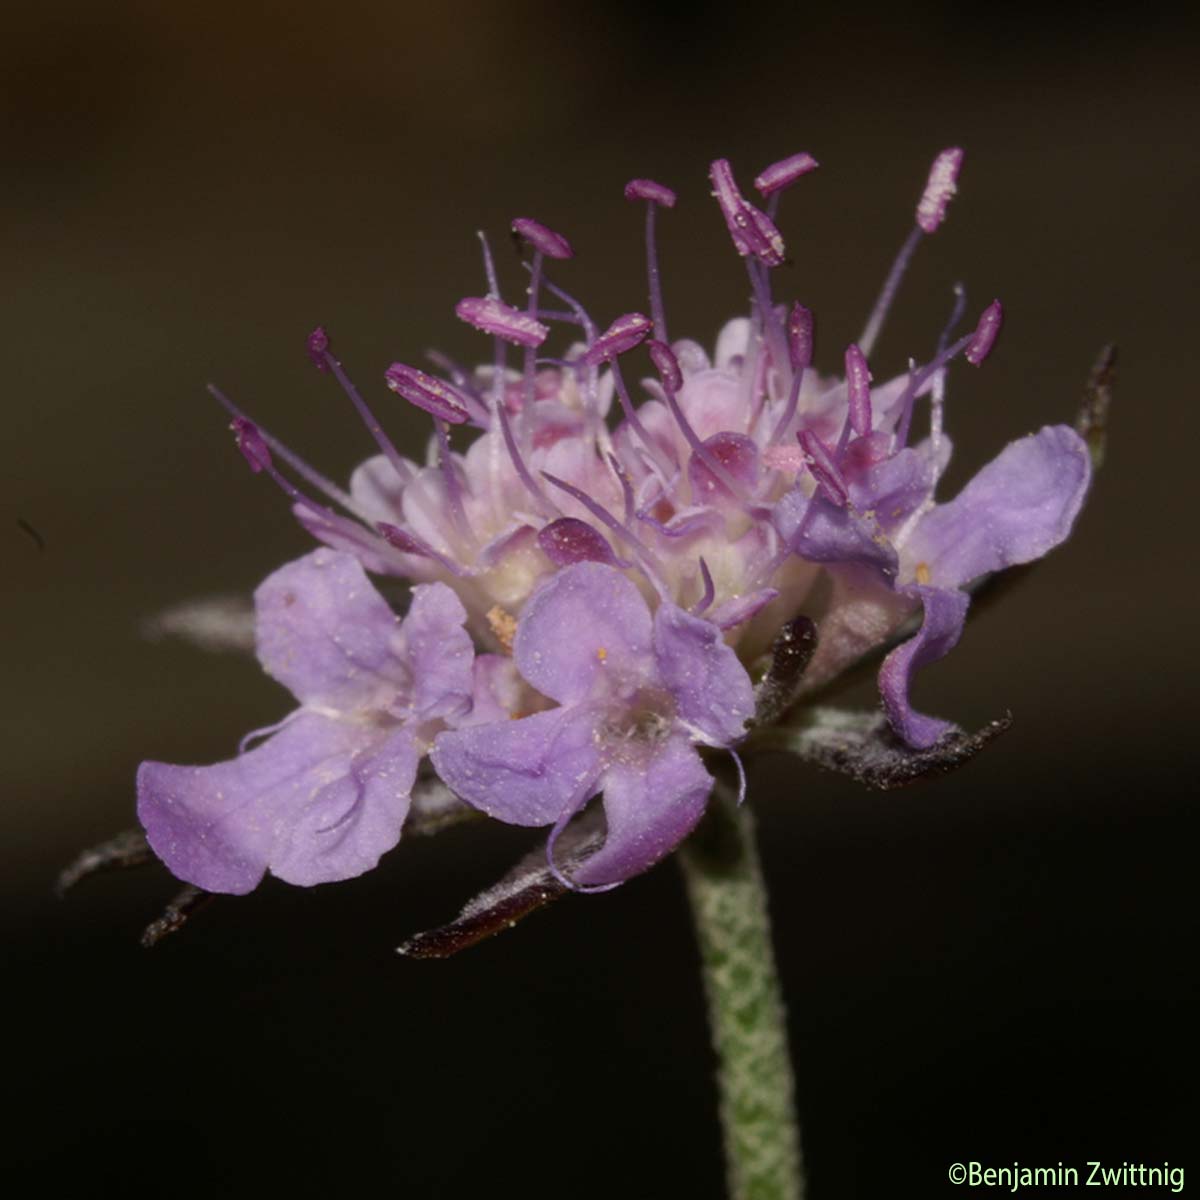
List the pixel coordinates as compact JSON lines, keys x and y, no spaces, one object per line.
{"x":681,"y":491}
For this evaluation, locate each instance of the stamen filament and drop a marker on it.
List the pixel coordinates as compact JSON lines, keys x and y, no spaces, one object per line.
{"x":891,"y":285}
{"x":657,"y":311}
{"x":368,"y":418}
{"x":454,"y":491}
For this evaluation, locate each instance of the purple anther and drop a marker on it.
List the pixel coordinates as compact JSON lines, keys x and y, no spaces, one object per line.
{"x":785,"y":172}
{"x":753,"y":232}
{"x":402,"y":540}
{"x":858,"y":387}
{"x":250,"y":442}
{"x":800,"y":337}
{"x":647,"y":189}
{"x":824,"y":470}
{"x":435,"y":396}
{"x":493,"y":316}
{"x":551,"y":244}
{"x":666,"y":364}
{"x":407,"y":543}
{"x":570,"y":540}
{"x":318,"y":347}
{"x":734,"y":455}
{"x":943,"y":183}
{"x":622,"y":335}
{"x":986,"y":333}
{"x":600,"y":513}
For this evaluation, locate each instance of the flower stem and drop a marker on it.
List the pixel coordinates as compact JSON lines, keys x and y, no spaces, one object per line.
{"x":745,"y":1006}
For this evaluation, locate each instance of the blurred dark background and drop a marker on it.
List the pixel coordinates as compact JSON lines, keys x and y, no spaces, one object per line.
{"x":995,"y":966}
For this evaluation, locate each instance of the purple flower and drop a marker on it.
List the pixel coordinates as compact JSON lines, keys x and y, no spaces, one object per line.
{"x":636,"y":693}
{"x":328,"y":792}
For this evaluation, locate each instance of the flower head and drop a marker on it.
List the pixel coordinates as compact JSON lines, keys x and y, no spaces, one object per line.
{"x":624,"y":552}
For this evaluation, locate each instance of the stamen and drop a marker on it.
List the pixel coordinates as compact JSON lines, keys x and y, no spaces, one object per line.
{"x":622,"y":335}
{"x":654,"y":194}
{"x":542,"y":239}
{"x":668,"y":368}
{"x":900,"y":438}
{"x":518,"y":463}
{"x":761,"y":285}
{"x":986,"y":333}
{"x":666,"y":364}
{"x":908,"y":400}
{"x":931,"y":211}
{"x":753,"y":232}
{"x":319,"y":352}
{"x":891,"y":285}
{"x":489,"y":265}
{"x":570,"y":540}
{"x":499,"y":355}
{"x":647,"y":189}
{"x":601,"y":514}
{"x":450,"y":480}
{"x":293,"y":460}
{"x":318,"y":347}
{"x":591,"y":386}
{"x":253,"y":447}
{"x":709,"y":590}
{"x":555,"y":314}
{"x":918,"y":378}
{"x":493,"y":316}
{"x":800,"y":351}
{"x":800,"y":337}
{"x":858,"y":387}
{"x":784,"y":173}
{"x":438,"y":398}
{"x":824,"y":470}
{"x":664,"y":467}
{"x":465,"y":383}
{"x":626,"y":488}
{"x":546,"y":244}
{"x":409,"y":543}
{"x":956,"y":312}
{"x":943,"y":183}
{"x":528,"y":365}
{"x":250,"y":443}
{"x":589,"y":326}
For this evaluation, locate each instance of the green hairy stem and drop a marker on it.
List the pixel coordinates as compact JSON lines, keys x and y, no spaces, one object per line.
{"x":746,"y":1014}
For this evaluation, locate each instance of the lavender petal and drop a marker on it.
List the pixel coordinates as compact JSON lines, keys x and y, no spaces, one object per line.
{"x":713,"y":694}
{"x":649,"y":808}
{"x":525,"y":772}
{"x":945,"y":613}
{"x":586,"y":623}
{"x":1020,"y":506}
